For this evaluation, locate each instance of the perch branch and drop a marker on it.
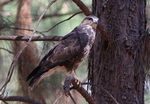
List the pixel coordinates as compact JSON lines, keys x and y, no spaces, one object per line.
{"x":82,"y":91}
{"x":77,"y":86}
{"x":19,"y":98}
{"x":34,"y":38}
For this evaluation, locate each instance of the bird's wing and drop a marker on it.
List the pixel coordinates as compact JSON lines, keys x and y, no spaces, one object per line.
{"x":67,"y":49}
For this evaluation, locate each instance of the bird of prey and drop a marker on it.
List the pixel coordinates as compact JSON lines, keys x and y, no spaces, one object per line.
{"x":68,"y":53}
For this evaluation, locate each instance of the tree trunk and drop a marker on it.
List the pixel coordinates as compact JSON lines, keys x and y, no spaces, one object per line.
{"x":116,"y":67}
{"x":29,"y":57}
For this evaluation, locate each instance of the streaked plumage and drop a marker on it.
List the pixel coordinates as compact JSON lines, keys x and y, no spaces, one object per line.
{"x":68,"y":53}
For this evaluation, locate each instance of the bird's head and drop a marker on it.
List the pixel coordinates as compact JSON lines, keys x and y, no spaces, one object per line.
{"x":90,"y":20}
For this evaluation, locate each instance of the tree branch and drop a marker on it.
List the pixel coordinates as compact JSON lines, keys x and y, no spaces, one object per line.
{"x":6,"y":50}
{"x":77,"y":86}
{"x":34,"y":38}
{"x":19,"y":98}
{"x":83,"y":92}
{"x":82,"y":6}
{"x":59,"y":15}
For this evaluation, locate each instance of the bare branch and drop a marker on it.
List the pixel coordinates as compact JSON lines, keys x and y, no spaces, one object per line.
{"x":20,"y":99}
{"x":77,"y":86}
{"x":35,"y":31}
{"x":82,"y":91}
{"x":34,"y":38}
{"x":82,"y":6}
{"x":61,"y":22}
{"x":41,"y":16}
{"x":59,"y":15}
{"x":7,"y":50}
{"x":18,"y":28}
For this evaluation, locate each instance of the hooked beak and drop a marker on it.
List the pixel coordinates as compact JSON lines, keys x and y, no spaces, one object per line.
{"x":96,"y":22}
{"x":94,"y":25}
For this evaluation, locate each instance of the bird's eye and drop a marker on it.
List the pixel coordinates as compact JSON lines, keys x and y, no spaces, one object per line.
{"x":90,"y":19}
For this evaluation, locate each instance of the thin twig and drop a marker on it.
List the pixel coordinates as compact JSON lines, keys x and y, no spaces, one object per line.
{"x":9,"y":75}
{"x":19,"y":98}
{"x":7,"y":50}
{"x":61,"y":22}
{"x":42,"y":32}
{"x":18,"y":28}
{"x":34,"y":38}
{"x":40,"y":18}
{"x":59,"y":15}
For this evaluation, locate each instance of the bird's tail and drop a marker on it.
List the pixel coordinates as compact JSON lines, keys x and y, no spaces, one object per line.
{"x":37,"y":75}
{"x":34,"y":77}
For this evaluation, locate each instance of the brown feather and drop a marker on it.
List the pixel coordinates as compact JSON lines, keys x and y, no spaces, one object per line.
{"x":68,"y":53}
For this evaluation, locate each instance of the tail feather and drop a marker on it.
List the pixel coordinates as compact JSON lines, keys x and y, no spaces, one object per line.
{"x":34,"y":77}
{"x":34,"y":72}
{"x":34,"y":81}
{"x":39,"y":73}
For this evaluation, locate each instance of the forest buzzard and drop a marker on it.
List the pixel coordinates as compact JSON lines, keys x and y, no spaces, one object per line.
{"x":68,"y":53}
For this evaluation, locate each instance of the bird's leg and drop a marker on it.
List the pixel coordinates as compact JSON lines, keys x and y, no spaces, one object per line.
{"x":68,"y":82}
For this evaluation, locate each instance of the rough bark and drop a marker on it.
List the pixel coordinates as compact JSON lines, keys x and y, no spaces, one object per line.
{"x":118,"y":66}
{"x":28,"y":59}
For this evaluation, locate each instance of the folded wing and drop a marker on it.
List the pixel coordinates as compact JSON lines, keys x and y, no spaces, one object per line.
{"x":68,"y":49}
